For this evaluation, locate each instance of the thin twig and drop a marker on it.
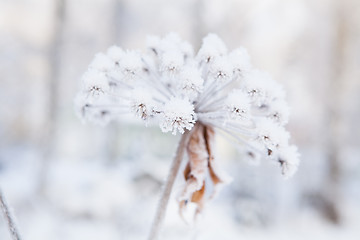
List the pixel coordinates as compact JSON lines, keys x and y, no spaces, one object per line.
{"x":163,"y":202}
{"x":9,"y":219}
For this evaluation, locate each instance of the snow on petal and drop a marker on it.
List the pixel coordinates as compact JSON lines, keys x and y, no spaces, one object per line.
{"x":102,"y":62}
{"x":237,"y":104}
{"x":95,"y":82}
{"x":190,"y":82}
{"x":142,"y":104}
{"x":131,"y":66}
{"x":240,"y":61}
{"x":256,"y":84}
{"x":279,"y":112}
{"x":289,"y":160}
{"x":220,"y":70}
{"x":178,"y":114}
{"x":115,"y":53}
{"x":212,"y":47}
{"x":271,"y":135}
{"x":171,"y":62}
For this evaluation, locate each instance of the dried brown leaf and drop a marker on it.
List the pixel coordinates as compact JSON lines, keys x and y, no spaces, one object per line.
{"x":200,"y":151}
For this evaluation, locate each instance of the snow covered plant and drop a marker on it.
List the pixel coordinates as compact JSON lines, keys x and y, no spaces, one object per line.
{"x":195,"y":95}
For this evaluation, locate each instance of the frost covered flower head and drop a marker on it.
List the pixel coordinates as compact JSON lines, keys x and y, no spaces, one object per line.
{"x":213,"y":90}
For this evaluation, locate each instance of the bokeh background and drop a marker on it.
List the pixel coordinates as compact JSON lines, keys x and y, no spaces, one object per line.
{"x":67,"y":180}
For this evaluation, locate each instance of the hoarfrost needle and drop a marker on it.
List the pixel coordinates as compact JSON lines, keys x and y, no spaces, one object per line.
{"x":214,"y":90}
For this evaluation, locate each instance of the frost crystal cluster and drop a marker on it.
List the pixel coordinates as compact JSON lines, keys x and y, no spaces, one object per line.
{"x":172,"y":86}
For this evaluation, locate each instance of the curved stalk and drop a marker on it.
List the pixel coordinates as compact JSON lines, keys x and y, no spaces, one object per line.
{"x":163,"y":202}
{"x":9,"y":219}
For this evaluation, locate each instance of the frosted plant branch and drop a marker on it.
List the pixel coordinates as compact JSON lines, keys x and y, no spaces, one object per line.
{"x":9,"y":219}
{"x":164,"y":199}
{"x":197,"y":94}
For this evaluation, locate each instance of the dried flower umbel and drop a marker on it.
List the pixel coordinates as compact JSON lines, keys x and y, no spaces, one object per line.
{"x":193,"y":95}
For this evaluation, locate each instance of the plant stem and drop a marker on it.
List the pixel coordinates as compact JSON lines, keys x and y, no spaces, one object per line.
{"x":163,"y":202}
{"x":10,"y":221}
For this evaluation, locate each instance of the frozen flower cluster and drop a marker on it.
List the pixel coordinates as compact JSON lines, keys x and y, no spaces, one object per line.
{"x":174,"y":87}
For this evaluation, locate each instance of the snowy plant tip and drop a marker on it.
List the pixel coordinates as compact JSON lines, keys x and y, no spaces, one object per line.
{"x":171,"y":86}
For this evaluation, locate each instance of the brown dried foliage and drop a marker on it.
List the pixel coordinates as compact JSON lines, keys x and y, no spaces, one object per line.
{"x":200,"y":150}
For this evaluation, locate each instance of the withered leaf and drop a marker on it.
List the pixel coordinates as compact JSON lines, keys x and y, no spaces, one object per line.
{"x":200,"y":151}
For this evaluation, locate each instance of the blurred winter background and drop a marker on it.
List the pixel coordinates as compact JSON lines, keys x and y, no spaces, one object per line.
{"x":66,"y":180}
